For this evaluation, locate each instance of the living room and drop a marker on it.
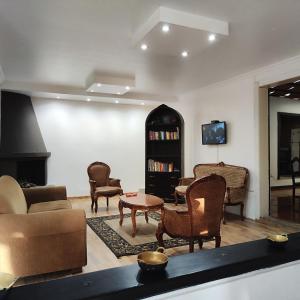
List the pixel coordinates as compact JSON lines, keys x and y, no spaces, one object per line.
{"x":57,"y":59}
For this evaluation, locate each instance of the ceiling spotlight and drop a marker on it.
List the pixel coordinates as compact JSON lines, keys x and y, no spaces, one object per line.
{"x":92,"y":91}
{"x":297,"y":81}
{"x":88,"y":99}
{"x":127,"y":88}
{"x":117,"y":101}
{"x":142,"y":103}
{"x":57,"y":97}
{"x":212,"y":37}
{"x":119,"y":93}
{"x":272,"y":92}
{"x":165,"y":28}
{"x":99,"y":84}
{"x":291,"y":88}
{"x":184,"y":54}
{"x":288,"y":94}
{"x":144,"y":47}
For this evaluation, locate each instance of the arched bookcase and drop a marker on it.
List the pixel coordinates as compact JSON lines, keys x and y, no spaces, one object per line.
{"x":164,"y":163}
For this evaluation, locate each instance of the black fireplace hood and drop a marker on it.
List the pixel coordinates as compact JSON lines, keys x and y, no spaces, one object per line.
{"x":20,"y":132}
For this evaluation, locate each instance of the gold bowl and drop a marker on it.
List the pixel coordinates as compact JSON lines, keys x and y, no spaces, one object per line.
{"x":278,"y":240}
{"x":153,"y":260}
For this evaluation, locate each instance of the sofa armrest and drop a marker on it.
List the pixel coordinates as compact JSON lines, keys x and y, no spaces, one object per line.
{"x":42,"y":242}
{"x":44,"y":194}
{"x":186,"y":180}
{"x":235,"y":194}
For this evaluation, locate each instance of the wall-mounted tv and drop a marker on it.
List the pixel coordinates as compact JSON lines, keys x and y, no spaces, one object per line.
{"x":214,"y":133}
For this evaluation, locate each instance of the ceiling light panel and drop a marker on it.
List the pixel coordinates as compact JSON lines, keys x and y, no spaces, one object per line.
{"x":107,"y":84}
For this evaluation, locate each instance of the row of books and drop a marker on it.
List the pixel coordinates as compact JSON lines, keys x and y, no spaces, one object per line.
{"x":157,"y":166}
{"x":164,"y":135}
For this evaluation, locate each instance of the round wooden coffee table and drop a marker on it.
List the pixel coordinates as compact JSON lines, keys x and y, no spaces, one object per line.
{"x":143,"y":202}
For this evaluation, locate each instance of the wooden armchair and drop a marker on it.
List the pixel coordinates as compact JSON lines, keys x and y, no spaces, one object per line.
{"x":100,"y":183}
{"x":205,"y":200}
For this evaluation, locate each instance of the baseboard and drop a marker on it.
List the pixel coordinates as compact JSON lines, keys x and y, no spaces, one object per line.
{"x":281,"y":187}
{"x":78,"y":197}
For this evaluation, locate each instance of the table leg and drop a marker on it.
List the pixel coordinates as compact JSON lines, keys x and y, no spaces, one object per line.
{"x":121,"y":213}
{"x":133,"y":213}
{"x":146,"y":217}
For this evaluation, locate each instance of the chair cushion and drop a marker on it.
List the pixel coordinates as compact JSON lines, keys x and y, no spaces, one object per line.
{"x":108,"y":190}
{"x":49,"y":206}
{"x":181,"y":189}
{"x":12,"y":199}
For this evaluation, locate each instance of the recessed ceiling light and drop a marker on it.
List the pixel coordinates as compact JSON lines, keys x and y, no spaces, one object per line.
{"x":117,"y":101}
{"x":127,"y":88}
{"x":142,"y":103}
{"x":88,"y":99}
{"x":57,"y":97}
{"x":119,"y":93}
{"x":184,"y":54}
{"x":212,"y":37}
{"x":99,"y":84}
{"x":291,"y":88}
{"x":288,"y":94}
{"x":297,"y":81}
{"x":144,"y":47}
{"x":92,"y":91}
{"x":165,"y":28}
{"x":272,"y":92}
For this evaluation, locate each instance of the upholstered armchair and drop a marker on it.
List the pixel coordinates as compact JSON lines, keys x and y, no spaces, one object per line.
{"x":202,"y":220}
{"x":39,"y":231}
{"x":101,"y":185}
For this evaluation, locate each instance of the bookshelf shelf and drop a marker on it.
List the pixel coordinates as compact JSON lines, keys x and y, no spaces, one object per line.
{"x":164,"y":130}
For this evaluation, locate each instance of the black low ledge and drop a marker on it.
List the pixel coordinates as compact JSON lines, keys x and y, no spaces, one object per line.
{"x":182,"y":271}
{"x":24,"y":155}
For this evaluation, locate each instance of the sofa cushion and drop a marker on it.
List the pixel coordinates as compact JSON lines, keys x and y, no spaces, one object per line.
{"x":12,"y":199}
{"x":49,"y":206}
{"x":181,"y":189}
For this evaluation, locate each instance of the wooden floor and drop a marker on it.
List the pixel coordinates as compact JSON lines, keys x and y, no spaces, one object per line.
{"x":282,"y":206}
{"x":99,"y":256}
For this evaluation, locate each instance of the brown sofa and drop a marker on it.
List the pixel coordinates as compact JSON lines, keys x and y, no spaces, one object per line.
{"x":236,"y":178}
{"x":39,"y":230}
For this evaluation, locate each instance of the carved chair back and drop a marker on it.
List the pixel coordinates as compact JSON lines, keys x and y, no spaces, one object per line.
{"x":205,"y":200}
{"x":99,"y":172}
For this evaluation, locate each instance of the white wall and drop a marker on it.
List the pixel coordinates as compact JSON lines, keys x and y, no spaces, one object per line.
{"x":230,"y":101}
{"x":278,"y":104}
{"x":276,"y":283}
{"x":78,"y":133}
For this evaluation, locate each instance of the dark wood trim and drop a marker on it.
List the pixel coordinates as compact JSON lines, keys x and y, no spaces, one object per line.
{"x":182,"y":271}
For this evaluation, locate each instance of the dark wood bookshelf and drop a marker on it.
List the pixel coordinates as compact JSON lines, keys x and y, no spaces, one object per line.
{"x":164,"y":159}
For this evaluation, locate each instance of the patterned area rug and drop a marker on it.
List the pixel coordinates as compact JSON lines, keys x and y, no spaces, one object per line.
{"x":119,"y":240}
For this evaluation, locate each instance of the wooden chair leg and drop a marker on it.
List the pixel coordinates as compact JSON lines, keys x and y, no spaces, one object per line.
{"x":294,"y":195}
{"x":191,"y":245}
{"x":107,"y":200}
{"x":176,"y":198}
{"x":159,"y":235}
{"x":242,"y":211}
{"x":92,"y":205}
{"x":96,"y":204}
{"x":218,"y":241}
{"x":200,"y":242}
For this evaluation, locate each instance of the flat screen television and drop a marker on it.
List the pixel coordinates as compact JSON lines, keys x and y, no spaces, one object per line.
{"x":214,"y":133}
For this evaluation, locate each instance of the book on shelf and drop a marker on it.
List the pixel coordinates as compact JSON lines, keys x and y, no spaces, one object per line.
{"x":163,"y":135}
{"x":157,"y":166}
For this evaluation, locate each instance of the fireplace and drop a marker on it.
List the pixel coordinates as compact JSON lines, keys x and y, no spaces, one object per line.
{"x":23,"y":153}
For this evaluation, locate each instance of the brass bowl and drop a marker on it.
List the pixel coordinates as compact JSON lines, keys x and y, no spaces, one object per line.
{"x":278,"y":240}
{"x":153,"y":260}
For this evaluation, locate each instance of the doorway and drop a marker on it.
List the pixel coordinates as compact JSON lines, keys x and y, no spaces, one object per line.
{"x":284,"y":146}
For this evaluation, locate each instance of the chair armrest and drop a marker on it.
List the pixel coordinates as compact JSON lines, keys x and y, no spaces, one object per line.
{"x":186,"y":180}
{"x":92,"y":185}
{"x":114,"y":182}
{"x":44,"y":194}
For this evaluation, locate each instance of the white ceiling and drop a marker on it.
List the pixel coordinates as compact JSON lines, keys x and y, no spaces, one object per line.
{"x":61,"y":42}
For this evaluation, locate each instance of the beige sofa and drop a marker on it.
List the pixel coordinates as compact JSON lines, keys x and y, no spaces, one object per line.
{"x":236,"y":178}
{"x":39,"y":230}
